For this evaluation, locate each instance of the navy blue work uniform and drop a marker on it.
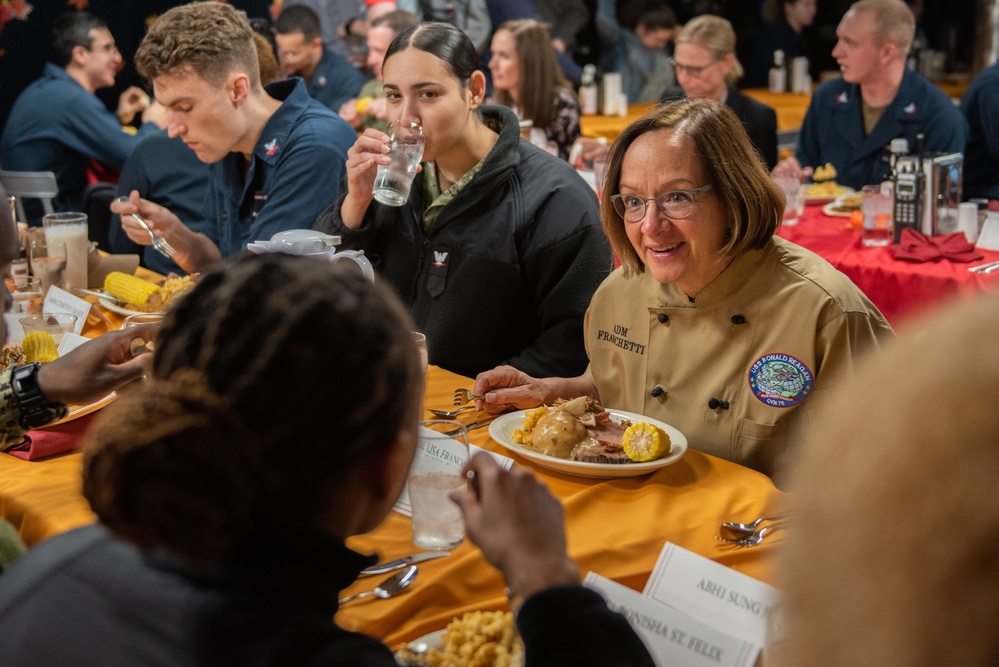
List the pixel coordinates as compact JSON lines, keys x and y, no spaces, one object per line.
{"x":980,"y":105}
{"x":335,"y":80}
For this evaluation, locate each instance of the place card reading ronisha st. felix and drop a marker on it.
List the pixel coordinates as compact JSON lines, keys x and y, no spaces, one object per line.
{"x":673,"y":638}
{"x":710,"y":592}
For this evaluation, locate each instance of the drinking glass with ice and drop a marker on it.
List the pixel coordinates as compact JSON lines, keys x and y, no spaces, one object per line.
{"x":442,"y":451}
{"x":393,"y":180}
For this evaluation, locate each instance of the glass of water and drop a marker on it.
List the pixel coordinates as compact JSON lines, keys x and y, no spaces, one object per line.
{"x":442,"y":452}
{"x":393,"y":180}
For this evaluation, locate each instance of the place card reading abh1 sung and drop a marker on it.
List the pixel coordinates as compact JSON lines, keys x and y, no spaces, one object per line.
{"x":725,"y":599}
{"x":672,"y":637}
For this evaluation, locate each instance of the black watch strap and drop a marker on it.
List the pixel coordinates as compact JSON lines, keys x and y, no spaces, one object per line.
{"x":35,"y":410}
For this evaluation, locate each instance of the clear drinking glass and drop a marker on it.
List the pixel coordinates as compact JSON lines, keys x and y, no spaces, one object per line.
{"x":790,"y":185}
{"x":876,"y":204}
{"x":421,"y":347}
{"x":71,"y":229}
{"x":48,"y":262}
{"x":56,"y":325}
{"x":442,"y":452}
{"x":393,"y":180}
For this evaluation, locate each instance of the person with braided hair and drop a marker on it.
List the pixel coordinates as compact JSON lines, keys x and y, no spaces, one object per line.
{"x":224,"y":501}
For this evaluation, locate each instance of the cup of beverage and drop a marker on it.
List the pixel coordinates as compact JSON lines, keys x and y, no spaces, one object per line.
{"x":26,"y":295}
{"x":56,"y":325}
{"x":70,"y":229}
{"x":393,"y":180}
{"x":421,"y":347}
{"x":48,"y":262}
{"x":442,"y":451}
{"x":141,"y":318}
{"x":876,"y":204}
{"x":790,"y":185}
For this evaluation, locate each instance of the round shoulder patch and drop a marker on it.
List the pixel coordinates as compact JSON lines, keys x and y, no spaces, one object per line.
{"x":780,"y":380}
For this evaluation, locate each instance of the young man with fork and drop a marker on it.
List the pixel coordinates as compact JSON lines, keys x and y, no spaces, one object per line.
{"x":277,"y":157}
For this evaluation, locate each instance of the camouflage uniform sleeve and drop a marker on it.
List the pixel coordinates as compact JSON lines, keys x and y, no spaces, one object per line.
{"x":11,"y":432}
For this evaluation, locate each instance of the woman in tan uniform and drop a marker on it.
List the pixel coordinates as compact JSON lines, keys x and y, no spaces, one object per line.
{"x":712,"y":324}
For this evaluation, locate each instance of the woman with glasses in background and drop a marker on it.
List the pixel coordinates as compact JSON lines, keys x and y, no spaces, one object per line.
{"x":706,"y":67}
{"x":712,"y":324}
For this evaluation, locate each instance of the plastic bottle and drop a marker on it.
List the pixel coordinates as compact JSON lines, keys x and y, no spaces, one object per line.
{"x":778,"y":74}
{"x":588,"y":91}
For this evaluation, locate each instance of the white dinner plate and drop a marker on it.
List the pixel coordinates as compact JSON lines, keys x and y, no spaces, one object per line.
{"x":107,"y":302}
{"x":432,"y":640}
{"x":502,"y":428}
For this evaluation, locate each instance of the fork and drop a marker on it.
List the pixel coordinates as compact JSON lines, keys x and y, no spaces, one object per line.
{"x":450,"y":414}
{"x":160,"y":243}
{"x":464,"y":396}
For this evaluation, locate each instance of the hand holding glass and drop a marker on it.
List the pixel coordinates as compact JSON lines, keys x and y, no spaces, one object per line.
{"x":442,"y":452}
{"x":393,"y":180}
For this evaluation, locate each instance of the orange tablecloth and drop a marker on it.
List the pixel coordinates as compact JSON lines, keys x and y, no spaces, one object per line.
{"x":900,"y":289}
{"x":615,"y":527}
{"x":790,"y":108}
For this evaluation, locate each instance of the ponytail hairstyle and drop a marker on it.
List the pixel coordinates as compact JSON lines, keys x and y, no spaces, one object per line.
{"x":271,"y":380}
{"x":443,"y":41}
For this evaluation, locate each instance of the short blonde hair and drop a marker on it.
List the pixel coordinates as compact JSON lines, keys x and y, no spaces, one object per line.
{"x":210,"y":39}
{"x":894,"y":22}
{"x":717,"y":36}
{"x":753,"y":203}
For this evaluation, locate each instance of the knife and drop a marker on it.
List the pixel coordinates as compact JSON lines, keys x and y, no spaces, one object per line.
{"x":473,"y":425}
{"x":399,"y":563}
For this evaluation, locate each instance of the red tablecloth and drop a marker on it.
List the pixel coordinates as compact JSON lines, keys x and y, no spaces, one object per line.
{"x":899,"y":289}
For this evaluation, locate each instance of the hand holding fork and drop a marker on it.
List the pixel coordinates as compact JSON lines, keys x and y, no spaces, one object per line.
{"x":158,"y":242}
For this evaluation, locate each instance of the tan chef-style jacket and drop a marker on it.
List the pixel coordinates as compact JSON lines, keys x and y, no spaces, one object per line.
{"x":732,"y":368}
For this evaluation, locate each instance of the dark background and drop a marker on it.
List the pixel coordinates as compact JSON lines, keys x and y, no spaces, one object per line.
{"x":948,"y":25}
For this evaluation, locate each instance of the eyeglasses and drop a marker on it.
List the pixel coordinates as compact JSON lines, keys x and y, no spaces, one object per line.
{"x":110,"y":47}
{"x":675,"y":205}
{"x":694,"y":72}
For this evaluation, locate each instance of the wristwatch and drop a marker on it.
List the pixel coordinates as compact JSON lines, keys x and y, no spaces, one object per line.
{"x":35,"y":410}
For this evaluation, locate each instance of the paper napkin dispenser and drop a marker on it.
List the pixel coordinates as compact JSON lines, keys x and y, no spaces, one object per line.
{"x":942,"y":194}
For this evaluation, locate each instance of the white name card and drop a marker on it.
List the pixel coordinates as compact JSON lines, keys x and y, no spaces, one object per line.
{"x":402,"y":505}
{"x":673,"y":638}
{"x":70,"y":342}
{"x":60,"y":301}
{"x":710,"y":592}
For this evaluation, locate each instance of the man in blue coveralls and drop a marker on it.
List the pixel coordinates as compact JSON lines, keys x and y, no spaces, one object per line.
{"x":277,"y":156}
{"x":59,"y":125}
{"x":980,"y":105}
{"x":329,"y":77}
{"x":851,"y":120}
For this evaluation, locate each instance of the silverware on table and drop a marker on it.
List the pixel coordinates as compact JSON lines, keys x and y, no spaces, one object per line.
{"x":398,"y":563}
{"x":389,"y":588}
{"x":473,"y":425}
{"x":750,"y":540}
{"x":449,"y":414}
{"x":100,"y":295}
{"x":743,"y":529}
{"x":985,"y":268}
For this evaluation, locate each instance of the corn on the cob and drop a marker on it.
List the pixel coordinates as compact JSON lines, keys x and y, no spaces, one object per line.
{"x":134,"y":291}
{"x":645,"y":442}
{"x":362,"y":104}
{"x":39,"y":346}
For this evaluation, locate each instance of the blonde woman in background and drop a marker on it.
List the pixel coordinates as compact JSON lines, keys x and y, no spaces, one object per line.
{"x":706,"y":67}
{"x":527,"y":78}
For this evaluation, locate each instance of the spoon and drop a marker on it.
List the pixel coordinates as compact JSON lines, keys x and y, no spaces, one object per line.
{"x":448,"y":414}
{"x":749,"y":541}
{"x":745,"y":529}
{"x":390,"y":587}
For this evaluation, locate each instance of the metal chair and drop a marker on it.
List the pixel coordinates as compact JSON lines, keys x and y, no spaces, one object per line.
{"x":39,"y":185}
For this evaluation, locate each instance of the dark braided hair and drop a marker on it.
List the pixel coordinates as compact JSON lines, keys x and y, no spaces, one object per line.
{"x":272,"y":379}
